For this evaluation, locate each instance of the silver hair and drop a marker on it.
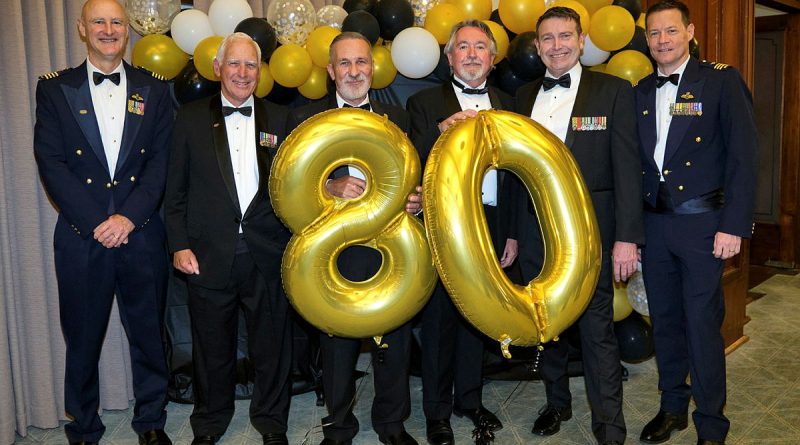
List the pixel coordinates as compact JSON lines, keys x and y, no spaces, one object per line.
{"x":235,"y":37}
{"x":467,"y":24}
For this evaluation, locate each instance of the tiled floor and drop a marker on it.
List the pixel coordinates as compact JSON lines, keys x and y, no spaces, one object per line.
{"x":763,"y":395}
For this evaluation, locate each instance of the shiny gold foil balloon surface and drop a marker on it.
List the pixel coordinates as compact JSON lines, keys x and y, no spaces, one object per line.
{"x":324,"y":225}
{"x":460,"y":239}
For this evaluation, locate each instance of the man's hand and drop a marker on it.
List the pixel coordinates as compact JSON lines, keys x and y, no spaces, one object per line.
{"x":347,"y":187}
{"x":509,"y":253}
{"x":623,"y":257}
{"x":114,"y":231}
{"x":185,"y":261}
{"x":414,"y":203}
{"x":726,"y":245}
{"x":460,"y":116}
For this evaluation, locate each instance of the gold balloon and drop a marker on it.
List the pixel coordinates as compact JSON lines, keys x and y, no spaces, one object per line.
{"x":622,"y":307}
{"x":462,"y":246}
{"x":501,"y":37}
{"x":577,"y":7}
{"x":474,"y":9}
{"x":630,"y":65}
{"x":265,"y":81}
{"x":440,"y":20}
{"x":324,"y":226}
{"x":383,"y":69}
{"x":520,"y":15}
{"x":316,"y":86}
{"x":290,"y":65}
{"x":640,"y":21}
{"x":204,"y":54}
{"x":599,"y":68}
{"x":612,"y":28}
{"x":593,"y":5}
{"x":160,"y":55}
{"x":319,"y":43}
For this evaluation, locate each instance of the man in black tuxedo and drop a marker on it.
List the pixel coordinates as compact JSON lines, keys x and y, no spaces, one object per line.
{"x":350,"y":67}
{"x":101,"y":144}
{"x":452,"y":349}
{"x":698,"y":148}
{"x":228,"y":241}
{"x":592,"y":113}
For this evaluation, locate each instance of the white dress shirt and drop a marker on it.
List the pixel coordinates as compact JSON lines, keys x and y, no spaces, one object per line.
{"x":665,"y":96}
{"x":352,"y":170}
{"x":241,"y":131}
{"x":479,"y":102}
{"x":553,"y":108}
{"x":109,"y":105}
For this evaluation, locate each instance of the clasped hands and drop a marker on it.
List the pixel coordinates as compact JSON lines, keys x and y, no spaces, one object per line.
{"x":114,"y":231}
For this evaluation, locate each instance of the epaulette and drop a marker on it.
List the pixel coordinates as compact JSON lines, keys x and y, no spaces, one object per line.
{"x":716,"y":66}
{"x":155,"y":75}
{"x":54,"y":74}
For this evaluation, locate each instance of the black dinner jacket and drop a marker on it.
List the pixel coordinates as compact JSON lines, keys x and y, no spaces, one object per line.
{"x":608,"y":159}
{"x":427,"y":109}
{"x":201,"y":205}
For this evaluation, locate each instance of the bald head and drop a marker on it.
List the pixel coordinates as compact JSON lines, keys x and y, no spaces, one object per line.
{"x":104,"y":27}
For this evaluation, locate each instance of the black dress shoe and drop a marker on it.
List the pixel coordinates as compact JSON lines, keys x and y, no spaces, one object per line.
{"x":611,"y":442}
{"x":481,"y":414}
{"x":439,"y":432}
{"x":329,"y":441}
{"x":154,"y":437}
{"x":709,"y":442}
{"x":401,"y":438}
{"x":663,"y":424}
{"x":549,"y":420}
{"x":204,"y":440}
{"x":275,"y":439}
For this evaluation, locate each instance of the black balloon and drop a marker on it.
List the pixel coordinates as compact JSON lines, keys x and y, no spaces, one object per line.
{"x":495,"y":17}
{"x":632,"y":6}
{"x":262,"y":32}
{"x":505,"y":78}
{"x":359,"y":5}
{"x":393,"y":16}
{"x":442,"y":70}
{"x":363,"y":23}
{"x":282,"y":95}
{"x":189,"y":85}
{"x":635,"y":339}
{"x":638,"y":43}
{"x":694,"y":48}
{"x":523,"y":57}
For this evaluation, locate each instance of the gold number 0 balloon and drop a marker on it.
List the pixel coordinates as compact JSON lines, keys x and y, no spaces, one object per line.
{"x":460,"y":239}
{"x":324,"y":226}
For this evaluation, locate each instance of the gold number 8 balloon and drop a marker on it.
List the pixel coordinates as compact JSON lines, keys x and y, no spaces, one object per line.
{"x":323,"y":225}
{"x":460,"y":240}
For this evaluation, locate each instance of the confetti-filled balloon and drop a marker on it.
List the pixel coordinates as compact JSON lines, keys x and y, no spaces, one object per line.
{"x":151,"y":16}
{"x":293,"y":20}
{"x":421,"y":8}
{"x":331,"y":15}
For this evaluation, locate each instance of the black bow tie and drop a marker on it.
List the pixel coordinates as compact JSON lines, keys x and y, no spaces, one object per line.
{"x":100,"y":77}
{"x":673,"y":78}
{"x":245,"y":111}
{"x":363,"y":107}
{"x":467,"y":90}
{"x":548,"y":83}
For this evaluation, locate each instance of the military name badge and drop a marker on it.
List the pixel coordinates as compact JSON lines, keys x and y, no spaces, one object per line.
{"x":267,"y":140}
{"x":686,"y":109}
{"x":136,"y":104}
{"x":589,"y":123}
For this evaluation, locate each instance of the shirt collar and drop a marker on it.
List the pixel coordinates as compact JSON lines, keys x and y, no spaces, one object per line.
{"x":340,"y":102}
{"x":227,"y":103}
{"x":678,"y":71}
{"x":90,"y":68}
{"x":574,"y":75}
{"x":458,"y":90}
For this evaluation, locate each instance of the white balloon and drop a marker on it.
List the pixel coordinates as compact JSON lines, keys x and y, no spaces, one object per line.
{"x":415,"y":52}
{"x":189,"y":27}
{"x":592,"y":55}
{"x":226,"y":14}
{"x":331,"y":15}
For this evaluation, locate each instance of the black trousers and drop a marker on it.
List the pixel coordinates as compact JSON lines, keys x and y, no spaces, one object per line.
{"x":452,"y":350}
{"x":215,"y":315}
{"x":391,"y":405}
{"x":88,"y":277}
{"x":684,"y":292}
